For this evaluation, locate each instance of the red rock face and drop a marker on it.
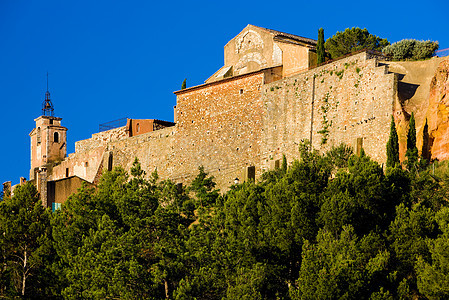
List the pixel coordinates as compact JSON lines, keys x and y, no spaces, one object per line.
{"x":438,"y":113}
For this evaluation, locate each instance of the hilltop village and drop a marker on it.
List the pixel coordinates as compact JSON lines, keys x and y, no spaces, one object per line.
{"x":269,"y":97}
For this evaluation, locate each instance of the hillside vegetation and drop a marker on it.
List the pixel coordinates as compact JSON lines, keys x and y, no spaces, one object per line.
{"x":323,"y":227}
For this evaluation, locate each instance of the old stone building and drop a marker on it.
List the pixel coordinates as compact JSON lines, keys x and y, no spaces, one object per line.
{"x":267,"y":98}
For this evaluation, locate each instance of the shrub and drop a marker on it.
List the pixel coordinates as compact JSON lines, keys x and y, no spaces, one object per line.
{"x":410,"y":49}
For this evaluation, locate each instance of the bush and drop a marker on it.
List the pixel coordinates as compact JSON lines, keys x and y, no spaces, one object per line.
{"x":410,"y":49}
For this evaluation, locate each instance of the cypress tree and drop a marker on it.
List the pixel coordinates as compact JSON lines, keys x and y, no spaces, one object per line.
{"x":425,"y":151}
{"x":411,"y":135}
{"x":412,"y":151}
{"x":393,"y":146}
{"x":284,"y":164}
{"x":184,"y":84}
{"x":320,"y":47}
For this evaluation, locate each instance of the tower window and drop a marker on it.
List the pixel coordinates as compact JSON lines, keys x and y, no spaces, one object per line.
{"x":51,"y":121}
{"x":56,"y":137}
{"x":38,"y":135}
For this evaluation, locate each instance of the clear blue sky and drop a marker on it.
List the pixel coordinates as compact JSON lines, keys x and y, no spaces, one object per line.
{"x":115,"y":59}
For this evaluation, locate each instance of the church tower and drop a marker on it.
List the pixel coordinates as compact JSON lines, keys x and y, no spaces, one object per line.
{"x":48,"y":138}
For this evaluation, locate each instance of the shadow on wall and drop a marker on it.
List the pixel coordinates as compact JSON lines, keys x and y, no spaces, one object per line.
{"x":406,"y":91}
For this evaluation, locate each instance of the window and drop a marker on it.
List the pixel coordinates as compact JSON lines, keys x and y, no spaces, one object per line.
{"x":38,"y":135}
{"x":110,"y":160}
{"x":51,"y":121}
{"x":56,"y":137}
{"x":55,"y":206}
{"x":138,"y":127}
{"x":358,"y":146}
{"x":66,"y":172}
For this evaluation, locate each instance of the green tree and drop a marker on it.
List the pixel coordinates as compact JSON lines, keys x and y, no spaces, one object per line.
{"x":339,"y":156}
{"x":393,"y":146}
{"x":184,"y":84}
{"x":340,"y":267}
{"x":407,"y":238}
{"x":25,"y":242}
{"x":412,"y":150}
{"x":352,"y":40}
{"x":425,"y":150}
{"x":321,"y":55}
{"x":359,"y":196}
{"x":284,"y":163}
{"x":204,"y":188}
{"x":410,"y":49}
{"x":433,"y":274}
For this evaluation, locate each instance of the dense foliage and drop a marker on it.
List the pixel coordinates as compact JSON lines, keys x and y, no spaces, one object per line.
{"x":323,"y":227}
{"x":411,"y":49}
{"x":352,"y":40}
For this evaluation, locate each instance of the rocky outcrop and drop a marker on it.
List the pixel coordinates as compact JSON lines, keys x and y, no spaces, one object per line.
{"x":420,"y":90}
{"x":438,"y":113}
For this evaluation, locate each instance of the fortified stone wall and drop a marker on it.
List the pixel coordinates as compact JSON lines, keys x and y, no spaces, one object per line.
{"x":349,"y":101}
{"x":219,"y":127}
{"x":101,"y":139}
{"x":82,"y":164}
{"x":155,"y":151}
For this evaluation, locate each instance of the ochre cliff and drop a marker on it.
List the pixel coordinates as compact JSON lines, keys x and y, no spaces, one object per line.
{"x":418,"y":87}
{"x":438,"y":113}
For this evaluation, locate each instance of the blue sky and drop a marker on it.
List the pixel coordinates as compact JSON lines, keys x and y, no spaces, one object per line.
{"x":113,"y":59}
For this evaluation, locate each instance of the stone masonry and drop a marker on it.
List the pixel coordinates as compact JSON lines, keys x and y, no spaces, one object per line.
{"x":239,"y":123}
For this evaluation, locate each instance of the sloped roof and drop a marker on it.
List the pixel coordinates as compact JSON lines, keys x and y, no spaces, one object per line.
{"x":280,"y":34}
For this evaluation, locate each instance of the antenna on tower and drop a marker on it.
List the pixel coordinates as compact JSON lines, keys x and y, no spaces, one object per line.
{"x":47,"y":106}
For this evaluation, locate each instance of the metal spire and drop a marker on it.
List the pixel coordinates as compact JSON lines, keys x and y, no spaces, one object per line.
{"x":47,"y":106}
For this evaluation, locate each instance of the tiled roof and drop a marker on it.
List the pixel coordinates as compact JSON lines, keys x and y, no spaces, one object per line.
{"x":290,"y":36}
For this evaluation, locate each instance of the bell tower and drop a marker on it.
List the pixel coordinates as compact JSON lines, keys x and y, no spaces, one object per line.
{"x":48,"y":138}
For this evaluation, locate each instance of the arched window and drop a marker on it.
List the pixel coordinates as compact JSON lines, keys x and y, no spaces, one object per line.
{"x":56,"y":137}
{"x":138,"y":127}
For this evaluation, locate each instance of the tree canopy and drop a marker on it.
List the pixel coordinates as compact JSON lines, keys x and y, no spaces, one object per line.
{"x":331,"y":225}
{"x":352,"y":40}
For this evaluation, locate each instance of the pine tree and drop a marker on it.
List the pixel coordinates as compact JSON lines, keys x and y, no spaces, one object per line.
{"x":393,"y":146}
{"x":25,"y":244}
{"x":184,"y":84}
{"x":320,"y":47}
{"x":412,"y":151}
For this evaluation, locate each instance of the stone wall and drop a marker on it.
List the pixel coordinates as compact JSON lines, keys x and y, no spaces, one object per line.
{"x":155,"y":151}
{"x":82,"y":164}
{"x":336,"y":103}
{"x":101,"y":139}
{"x":219,"y":127}
{"x":231,"y":125}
